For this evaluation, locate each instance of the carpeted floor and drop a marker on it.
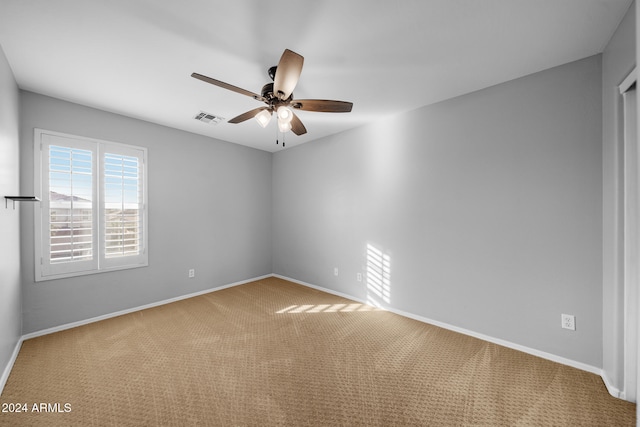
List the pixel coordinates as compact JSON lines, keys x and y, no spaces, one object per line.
{"x":276,"y":353}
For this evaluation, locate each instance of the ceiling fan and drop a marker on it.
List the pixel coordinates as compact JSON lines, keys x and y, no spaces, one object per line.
{"x":279,"y":96}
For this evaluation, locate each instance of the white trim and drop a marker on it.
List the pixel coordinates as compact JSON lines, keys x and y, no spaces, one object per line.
{"x":552,"y":357}
{"x":14,"y":356}
{"x":628,"y":81}
{"x":9,"y":367}
{"x":134,"y":309}
{"x":44,"y":269}
{"x":631,"y":227}
{"x":613,"y":391}
{"x":630,"y":231}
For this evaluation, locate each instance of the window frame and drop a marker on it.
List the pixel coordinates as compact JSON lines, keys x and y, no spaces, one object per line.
{"x":44,"y":269}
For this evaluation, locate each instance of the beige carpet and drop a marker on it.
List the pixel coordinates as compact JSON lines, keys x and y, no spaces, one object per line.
{"x":276,"y":353}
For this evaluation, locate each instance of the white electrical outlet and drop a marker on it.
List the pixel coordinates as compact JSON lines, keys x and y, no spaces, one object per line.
{"x":192,"y":273}
{"x":359,"y":277}
{"x":569,"y":322}
{"x":335,"y":271}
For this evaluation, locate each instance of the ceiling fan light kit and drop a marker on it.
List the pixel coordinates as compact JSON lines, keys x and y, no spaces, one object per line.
{"x":279,"y":96}
{"x":263,"y":117}
{"x":284,"y":126}
{"x":285,"y":114}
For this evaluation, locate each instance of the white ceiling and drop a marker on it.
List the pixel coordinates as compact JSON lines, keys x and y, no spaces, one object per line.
{"x":135,"y":57}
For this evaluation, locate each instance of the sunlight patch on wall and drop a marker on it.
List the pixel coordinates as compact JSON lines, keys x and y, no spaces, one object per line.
{"x":378,"y":276}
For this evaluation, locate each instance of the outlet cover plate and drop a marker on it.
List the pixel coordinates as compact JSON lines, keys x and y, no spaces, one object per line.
{"x":569,"y":322}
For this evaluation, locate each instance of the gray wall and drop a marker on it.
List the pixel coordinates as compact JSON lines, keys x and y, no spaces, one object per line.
{"x":209,"y":209}
{"x":10,"y":305}
{"x":488,"y":207}
{"x":618,"y":59}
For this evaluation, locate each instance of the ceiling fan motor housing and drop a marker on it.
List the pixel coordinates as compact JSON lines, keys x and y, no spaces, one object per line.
{"x":272,"y":100}
{"x":267,"y":91}
{"x":272,"y":72}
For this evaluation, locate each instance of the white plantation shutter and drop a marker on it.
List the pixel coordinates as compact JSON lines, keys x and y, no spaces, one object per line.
{"x":68,"y":207}
{"x":92,"y":216}
{"x":123,"y":213}
{"x":70,"y":204}
{"x":122,"y":205}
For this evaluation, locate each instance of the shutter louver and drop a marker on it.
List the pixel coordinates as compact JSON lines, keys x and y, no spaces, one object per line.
{"x":122,"y":205}
{"x":70,"y":204}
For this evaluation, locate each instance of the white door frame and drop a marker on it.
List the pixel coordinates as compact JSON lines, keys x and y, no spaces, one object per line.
{"x":631,"y":232}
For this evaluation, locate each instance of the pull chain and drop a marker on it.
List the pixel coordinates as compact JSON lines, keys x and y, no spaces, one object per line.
{"x":277,"y":140}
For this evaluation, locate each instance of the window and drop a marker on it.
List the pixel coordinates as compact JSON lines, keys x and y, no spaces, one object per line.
{"x":93,"y":214}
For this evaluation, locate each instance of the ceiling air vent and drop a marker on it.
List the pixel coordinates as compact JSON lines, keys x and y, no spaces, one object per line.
{"x":208,"y":118}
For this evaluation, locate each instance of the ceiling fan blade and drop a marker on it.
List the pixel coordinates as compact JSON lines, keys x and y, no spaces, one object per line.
{"x":287,"y":74}
{"x":228,"y":86}
{"x":296,"y":126}
{"x":248,"y":115}
{"x":322,"y":105}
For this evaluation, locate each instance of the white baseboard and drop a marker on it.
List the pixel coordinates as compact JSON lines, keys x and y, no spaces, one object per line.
{"x":134,"y":309}
{"x":9,"y":367}
{"x":554,"y":358}
{"x":562,"y":360}
{"x":613,"y":391}
{"x":12,"y":360}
